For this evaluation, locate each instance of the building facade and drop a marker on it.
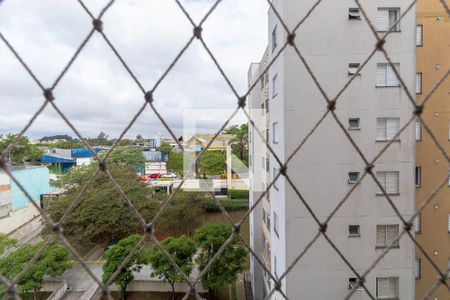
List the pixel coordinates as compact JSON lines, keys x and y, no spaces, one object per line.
{"x":433,"y":225}
{"x":334,"y":41}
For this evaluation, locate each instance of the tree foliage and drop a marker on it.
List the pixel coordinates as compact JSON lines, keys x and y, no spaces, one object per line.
{"x":225,"y":269}
{"x":22,"y":152}
{"x":165,"y":148}
{"x":126,"y":156}
{"x":239,"y":141}
{"x":5,"y":243}
{"x":181,"y":250}
{"x":115,"y":256}
{"x":102,"y":212}
{"x":53,"y":262}
{"x":212,"y":163}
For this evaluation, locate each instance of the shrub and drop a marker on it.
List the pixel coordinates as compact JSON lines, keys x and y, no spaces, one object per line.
{"x":210,"y":205}
{"x":238,"y":194}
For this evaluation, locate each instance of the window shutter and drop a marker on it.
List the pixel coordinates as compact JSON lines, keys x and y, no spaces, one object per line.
{"x":417,"y":223}
{"x":392,"y":125}
{"x":383,"y":19}
{"x":419,"y":35}
{"x":381,"y":129}
{"x":382,"y":287}
{"x":392,"y":183}
{"x":391,"y":78}
{"x":391,"y":234}
{"x":418,"y":130}
{"x":417,"y":269}
{"x":381,"y":75}
{"x":418,"y":83}
{"x":393,"y":287}
{"x":381,"y":235}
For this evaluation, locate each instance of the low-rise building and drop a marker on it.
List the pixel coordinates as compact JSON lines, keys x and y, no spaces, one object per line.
{"x":61,"y":160}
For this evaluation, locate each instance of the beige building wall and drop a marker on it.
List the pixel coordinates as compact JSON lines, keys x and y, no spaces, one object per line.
{"x":433,"y":58}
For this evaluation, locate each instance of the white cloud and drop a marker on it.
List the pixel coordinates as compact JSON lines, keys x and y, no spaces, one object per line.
{"x":97,"y":93}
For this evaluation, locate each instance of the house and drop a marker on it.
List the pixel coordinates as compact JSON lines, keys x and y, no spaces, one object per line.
{"x":201,"y":140}
{"x":61,"y":160}
{"x":155,"y":162}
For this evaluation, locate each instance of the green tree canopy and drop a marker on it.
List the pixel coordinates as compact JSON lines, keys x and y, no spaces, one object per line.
{"x":102,"y":213}
{"x":5,"y":243}
{"x":239,"y":141}
{"x":181,"y":250}
{"x":225,"y":269}
{"x":212,"y":163}
{"x":127,"y":157}
{"x":165,"y":148}
{"x":115,"y":256}
{"x":23,"y":151}
{"x":53,"y":262}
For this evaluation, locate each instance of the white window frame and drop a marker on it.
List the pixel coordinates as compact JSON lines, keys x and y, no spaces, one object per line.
{"x":386,"y":77}
{"x":276,"y":224}
{"x":275,"y":132}
{"x":350,"y":234}
{"x":418,"y":130}
{"x":418,"y":83}
{"x":354,"y":13}
{"x":353,"y":68}
{"x":418,"y":223}
{"x":274,"y":86}
{"x":387,"y":129}
{"x":419,"y":35}
{"x":352,"y":283}
{"x":350,"y":181}
{"x":386,"y":234}
{"x":274,"y":38}
{"x":392,"y":288}
{"x":418,"y":176}
{"x":390,"y":181}
{"x":358,"y":121}
{"x":418,"y":268}
{"x":385,"y":21}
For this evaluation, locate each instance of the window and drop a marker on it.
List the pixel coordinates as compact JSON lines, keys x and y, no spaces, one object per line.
{"x":418,"y":83}
{"x":386,"y":234}
{"x":275,"y":265}
{"x":267,"y":105}
{"x":386,"y":76}
{"x":353,"y":124}
{"x":353,"y":284}
{"x":353,"y":177}
{"x":352,"y":68}
{"x":387,"y":288}
{"x":267,"y":164}
{"x":268,"y":221}
{"x":354,"y":14}
{"x":387,"y":128}
{"x":386,"y":18}
{"x":418,"y":223}
{"x":353,"y":230}
{"x":389,"y":180}
{"x":417,"y":269}
{"x":262,"y":109}
{"x":275,"y":174}
{"x":418,"y":177}
{"x":419,"y":35}
{"x":275,"y":223}
{"x":418,"y":130}
{"x":274,"y":38}
{"x":274,"y":86}
{"x":275,"y":132}
{"x":267,"y":135}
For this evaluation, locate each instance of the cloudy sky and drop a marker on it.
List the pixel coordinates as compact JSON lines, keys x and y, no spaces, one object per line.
{"x":97,"y":94}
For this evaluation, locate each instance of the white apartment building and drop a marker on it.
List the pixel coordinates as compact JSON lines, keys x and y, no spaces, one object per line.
{"x":286,"y":104}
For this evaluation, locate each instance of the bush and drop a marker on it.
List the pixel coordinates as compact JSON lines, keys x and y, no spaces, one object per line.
{"x":210,"y":205}
{"x":238,"y":194}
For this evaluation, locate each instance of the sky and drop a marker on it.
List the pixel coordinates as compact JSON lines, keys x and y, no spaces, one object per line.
{"x":97,"y":94}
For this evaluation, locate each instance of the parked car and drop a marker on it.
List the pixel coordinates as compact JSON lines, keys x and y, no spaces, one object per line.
{"x":143,"y":178}
{"x":154,"y":176}
{"x":169,"y":175}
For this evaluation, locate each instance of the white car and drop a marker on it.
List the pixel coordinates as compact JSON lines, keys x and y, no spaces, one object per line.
{"x":169,"y":175}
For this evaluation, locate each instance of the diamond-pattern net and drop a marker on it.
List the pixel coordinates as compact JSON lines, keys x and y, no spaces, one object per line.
{"x":148,"y":101}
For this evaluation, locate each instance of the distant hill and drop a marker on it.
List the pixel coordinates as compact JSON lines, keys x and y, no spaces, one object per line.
{"x":56,"y":137}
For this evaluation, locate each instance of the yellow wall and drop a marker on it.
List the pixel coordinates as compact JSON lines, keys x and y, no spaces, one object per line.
{"x":433,"y":62}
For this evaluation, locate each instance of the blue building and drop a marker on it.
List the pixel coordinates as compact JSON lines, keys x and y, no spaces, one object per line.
{"x":61,"y":160}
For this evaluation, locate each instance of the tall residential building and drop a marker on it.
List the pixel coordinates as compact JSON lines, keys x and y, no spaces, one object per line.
{"x":334,"y":40}
{"x":433,"y":225}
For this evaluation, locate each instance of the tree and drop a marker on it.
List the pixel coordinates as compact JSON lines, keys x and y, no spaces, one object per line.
{"x":22,"y":152}
{"x":225,"y":269}
{"x":175,"y":162}
{"x":239,"y":141}
{"x":52,"y":262}
{"x":5,"y":243}
{"x":101,"y":213}
{"x":115,"y":256}
{"x":212,"y":163}
{"x":128,"y":157}
{"x":182,"y":214}
{"x":100,"y":140}
{"x":165,"y":148}
{"x":181,"y":250}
